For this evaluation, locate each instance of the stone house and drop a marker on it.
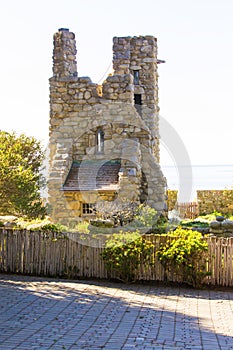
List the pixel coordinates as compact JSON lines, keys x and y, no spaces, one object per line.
{"x":104,"y":139}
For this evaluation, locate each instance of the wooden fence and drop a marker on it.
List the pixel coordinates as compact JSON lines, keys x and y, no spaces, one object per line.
{"x":74,"y":256}
{"x":188,"y":210}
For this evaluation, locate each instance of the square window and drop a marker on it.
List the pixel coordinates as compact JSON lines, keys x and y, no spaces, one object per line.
{"x":88,"y":208}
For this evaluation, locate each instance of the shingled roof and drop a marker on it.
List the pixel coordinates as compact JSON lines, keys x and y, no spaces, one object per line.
{"x":90,"y":175}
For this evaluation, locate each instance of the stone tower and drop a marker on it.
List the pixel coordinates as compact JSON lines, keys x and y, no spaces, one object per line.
{"x":104,"y":140}
{"x":138,"y":56}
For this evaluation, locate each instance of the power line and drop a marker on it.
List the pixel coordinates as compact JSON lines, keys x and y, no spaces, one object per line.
{"x":105,"y":72}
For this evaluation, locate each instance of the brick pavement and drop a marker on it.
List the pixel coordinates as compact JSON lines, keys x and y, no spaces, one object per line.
{"x":39,"y":313}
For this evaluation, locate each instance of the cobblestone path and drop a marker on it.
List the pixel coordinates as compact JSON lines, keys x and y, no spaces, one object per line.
{"x":39,"y":313}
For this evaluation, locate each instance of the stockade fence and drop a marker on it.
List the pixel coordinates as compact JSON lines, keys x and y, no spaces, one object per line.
{"x":187,"y":210}
{"x":71,"y":255}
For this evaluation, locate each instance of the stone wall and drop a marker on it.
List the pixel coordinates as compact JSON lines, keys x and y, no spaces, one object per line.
{"x":72,"y":204}
{"x":130,"y":176}
{"x":208,"y":201}
{"x":215,"y":200}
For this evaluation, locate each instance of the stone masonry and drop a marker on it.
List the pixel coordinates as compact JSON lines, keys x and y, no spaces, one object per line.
{"x":115,"y":124}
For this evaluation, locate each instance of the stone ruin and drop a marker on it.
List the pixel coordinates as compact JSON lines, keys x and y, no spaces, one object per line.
{"x":104,"y":139}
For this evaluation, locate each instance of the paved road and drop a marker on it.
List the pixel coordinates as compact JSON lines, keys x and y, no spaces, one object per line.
{"x":38,"y":313}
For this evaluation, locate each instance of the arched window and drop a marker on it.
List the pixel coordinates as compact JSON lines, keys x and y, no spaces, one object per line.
{"x":136,"y":77}
{"x":100,"y":141}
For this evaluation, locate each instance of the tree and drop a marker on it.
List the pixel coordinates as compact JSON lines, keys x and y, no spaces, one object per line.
{"x":21,"y":160}
{"x":120,"y":211}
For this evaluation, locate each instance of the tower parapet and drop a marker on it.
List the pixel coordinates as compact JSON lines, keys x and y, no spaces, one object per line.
{"x":119,"y":88}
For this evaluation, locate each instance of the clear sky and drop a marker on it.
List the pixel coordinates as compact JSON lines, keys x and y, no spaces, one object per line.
{"x":195,"y":37}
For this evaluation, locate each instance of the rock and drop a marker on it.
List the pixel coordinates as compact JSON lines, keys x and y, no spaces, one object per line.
{"x":87,"y":95}
{"x":6,"y":218}
{"x":215,"y":224}
{"x":220,"y":218}
{"x":57,"y":108}
{"x":227,"y":224}
{"x":102,"y":223}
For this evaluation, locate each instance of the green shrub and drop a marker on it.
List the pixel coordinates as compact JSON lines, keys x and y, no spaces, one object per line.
{"x":194,"y":223}
{"x":44,"y":226}
{"x":82,"y":227}
{"x":160,"y":229}
{"x":145,"y":216}
{"x":123,"y":254}
{"x":58,"y":228}
{"x":184,"y":253}
{"x":209,"y":217}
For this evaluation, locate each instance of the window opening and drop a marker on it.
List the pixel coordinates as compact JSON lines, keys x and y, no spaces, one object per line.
{"x":88,"y":208}
{"x":138,"y":102}
{"x":136,"y":77}
{"x":138,"y":99}
{"x":100,"y":141}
